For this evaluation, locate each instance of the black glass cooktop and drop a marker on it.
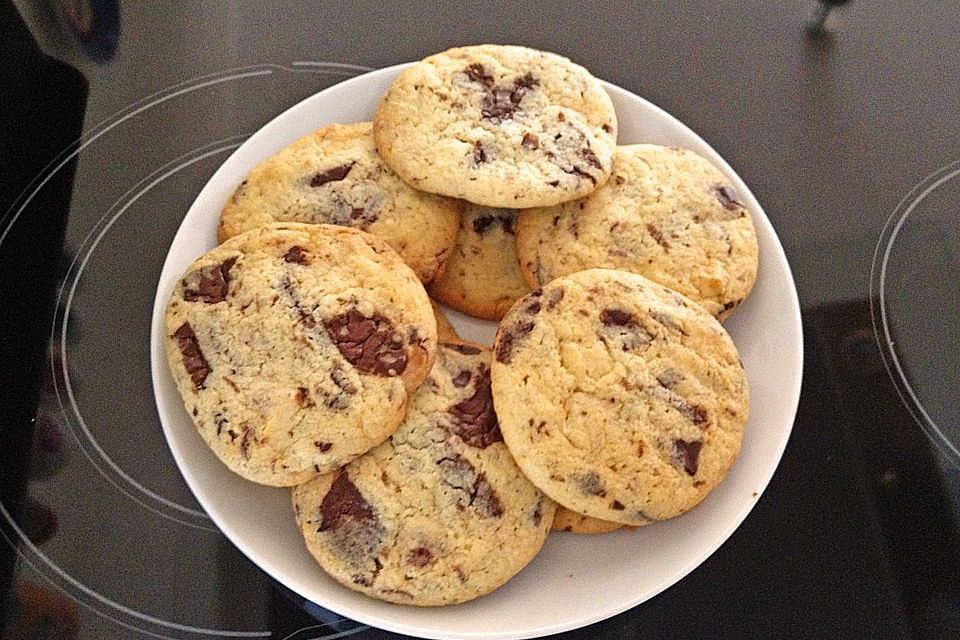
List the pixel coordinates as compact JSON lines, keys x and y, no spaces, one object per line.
{"x":116,"y":113}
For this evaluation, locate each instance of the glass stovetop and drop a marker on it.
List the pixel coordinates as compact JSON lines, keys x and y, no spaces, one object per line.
{"x":119,"y":113}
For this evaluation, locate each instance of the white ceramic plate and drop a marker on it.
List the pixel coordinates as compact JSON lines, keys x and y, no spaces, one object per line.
{"x":576,"y":580}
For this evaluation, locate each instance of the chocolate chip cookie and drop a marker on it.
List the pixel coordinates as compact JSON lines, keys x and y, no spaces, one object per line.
{"x":572,"y":522}
{"x":482,"y":277}
{"x":500,"y":126}
{"x":667,"y":214}
{"x":335,"y":176}
{"x":439,"y":513}
{"x":295,"y":348}
{"x":619,"y":398}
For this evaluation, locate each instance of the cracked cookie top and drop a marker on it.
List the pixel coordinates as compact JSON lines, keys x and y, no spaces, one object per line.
{"x":501,"y":126}
{"x":295,"y":348}
{"x":335,"y":176}
{"x":439,"y":513}
{"x":620,"y":399}
{"x":665,"y":213}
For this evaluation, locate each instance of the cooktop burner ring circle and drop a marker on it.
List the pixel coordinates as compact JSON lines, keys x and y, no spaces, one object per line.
{"x":880,"y":307}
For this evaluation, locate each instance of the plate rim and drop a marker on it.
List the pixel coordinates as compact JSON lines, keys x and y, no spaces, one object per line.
{"x":793,"y":386}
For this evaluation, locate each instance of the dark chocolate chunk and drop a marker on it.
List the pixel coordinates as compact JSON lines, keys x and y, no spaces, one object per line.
{"x":587,"y":154}
{"x":538,"y":513}
{"x":342,"y":380}
{"x":193,"y":361}
{"x":477,"y":491}
{"x":331,"y":175}
{"x":508,"y":337}
{"x":617,"y":318}
{"x":465,"y":349}
{"x":474,"y":420}
{"x":606,"y":128}
{"x":344,"y":503}
{"x":208,"y":284}
{"x":303,"y":397}
{"x":479,"y":153}
{"x":420,"y":557}
{"x":616,"y":505}
{"x":476,"y":73}
{"x":372,"y":345}
{"x":658,"y":237}
{"x":728,"y":198}
{"x":554,"y":297}
{"x":462,"y":379}
{"x":687,"y":454}
{"x":296,"y":255}
{"x":580,"y":173}
{"x":591,"y":484}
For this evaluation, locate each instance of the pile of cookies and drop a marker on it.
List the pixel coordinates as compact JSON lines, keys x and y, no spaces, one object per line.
{"x":429,"y":471}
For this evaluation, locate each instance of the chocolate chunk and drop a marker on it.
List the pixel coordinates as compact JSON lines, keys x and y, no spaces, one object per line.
{"x":687,"y":454}
{"x":580,"y":173}
{"x":372,"y":345}
{"x":342,"y":504}
{"x":554,"y":183}
{"x":538,"y":513}
{"x":465,"y":349}
{"x":462,"y":379}
{"x":420,"y":557}
{"x":476,"y":73}
{"x":296,"y":255}
{"x":193,"y":361}
{"x":331,"y":175}
{"x":500,"y":103}
{"x":477,"y":491}
{"x":474,"y":420}
{"x":587,"y":154}
{"x":591,"y":484}
{"x":617,"y":318}
{"x":245,"y":440}
{"x":533,"y":308}
{"x":530,"y":142}
{"x":303,"y":397}
{"x":728,"y":198}
{"x":485,"y":499}
{"x":508,"y":337}
{"x":731,"y":304}
{"x":479,"y":153}
{"x":616,"y":505}
{"x":554,"y":297}
{"x":669,"y":379}
{"x":208,"y":284}
{"x":481,"y":224}
{"x":342,"y":380}
{"x":323,"y":446}
{"x":606,"y":128}
{"x":658,"y":237}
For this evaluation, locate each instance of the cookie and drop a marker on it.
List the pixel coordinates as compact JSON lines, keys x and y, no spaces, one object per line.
{"x":439,"y":513}
{"x":566,"y":520}
{"x":295,"y":348}
{"x":500,"y":126}
{"x":482,"y":277}
{"x":667,"y":214}
{"x":445,"y":330}
{"x":335,"y":176}
{"x":619,"y":398}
